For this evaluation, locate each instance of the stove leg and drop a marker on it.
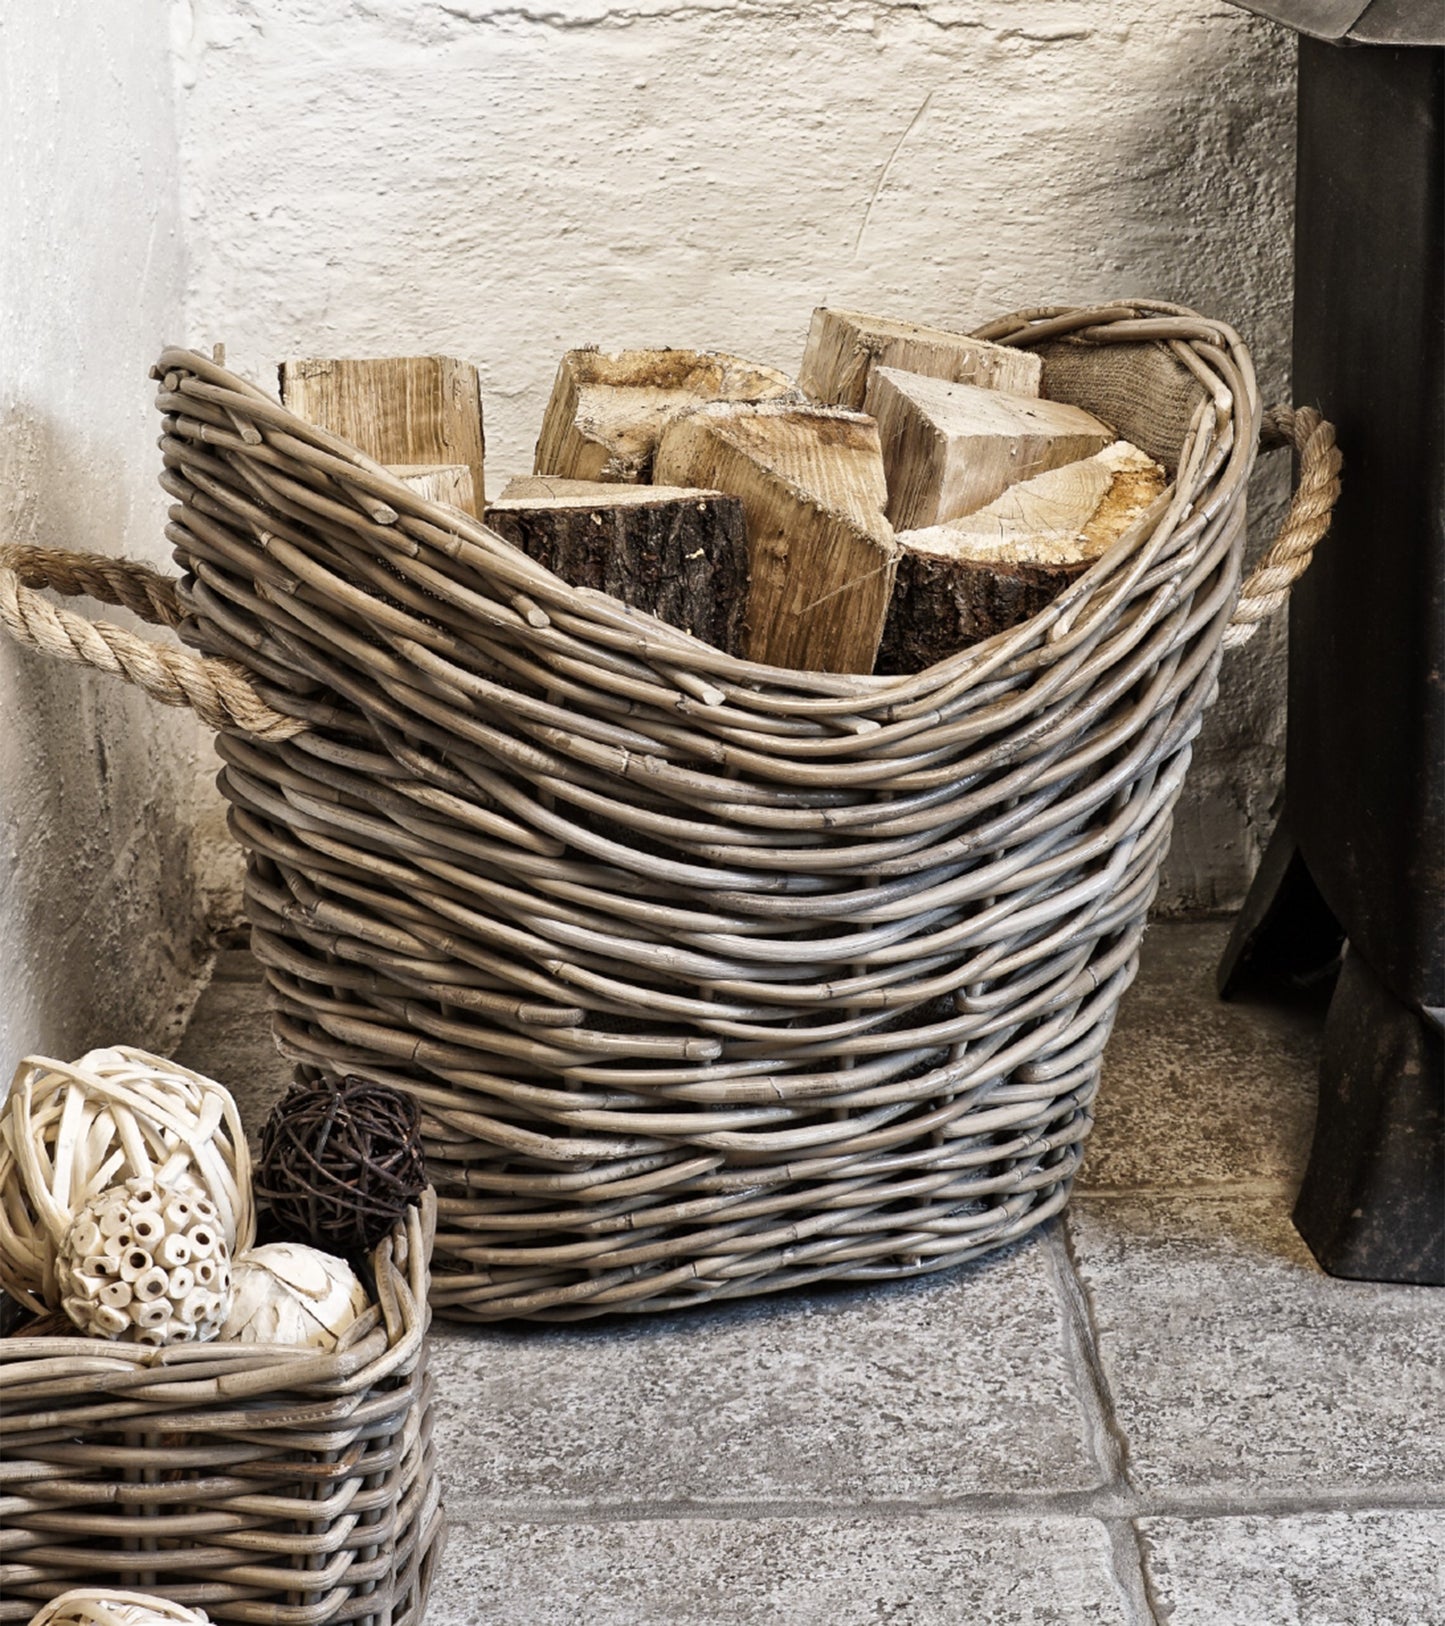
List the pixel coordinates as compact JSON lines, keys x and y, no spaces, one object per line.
{"x":1372,"y":1206}
{"x":1285,"y":935}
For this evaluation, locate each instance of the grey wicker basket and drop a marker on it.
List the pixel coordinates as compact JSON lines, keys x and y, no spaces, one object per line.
{"x":711,"y":978}
{"x":266,"y":1485}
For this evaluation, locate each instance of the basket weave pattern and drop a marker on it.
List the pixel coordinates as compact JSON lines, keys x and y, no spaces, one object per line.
{"x":711,"y":978}
{"x":261,"y":1483}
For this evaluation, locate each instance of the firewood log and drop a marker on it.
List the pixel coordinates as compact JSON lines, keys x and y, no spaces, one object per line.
{"x":964,"y":581}
{"x":607,"y":411}
{"x":679,"y":553}
{"x":399,"y":409}
{"x":950,"y":449}
{"x":820,"y":552}
{"x":449,"y":483}
{"x":845,"y":346}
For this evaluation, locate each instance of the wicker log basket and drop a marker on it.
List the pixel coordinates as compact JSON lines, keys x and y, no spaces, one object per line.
{"x":711,"y":978}
{"x":262,"y":1483}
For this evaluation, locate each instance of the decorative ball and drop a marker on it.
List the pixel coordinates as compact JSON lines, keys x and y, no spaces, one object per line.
{"x":146,"y":1264}
{"x":96,"y":1606}
{"x":70,"y":1130}
{"x":287,"y":1293}
{"x":340,"y":1162}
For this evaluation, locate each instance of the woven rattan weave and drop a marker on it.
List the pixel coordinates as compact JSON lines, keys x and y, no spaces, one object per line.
{"x":711,"y":978}
{"x":268,"y":1485}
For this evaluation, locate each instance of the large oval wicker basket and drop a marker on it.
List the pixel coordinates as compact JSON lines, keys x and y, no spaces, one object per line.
{"x":711,"y":978}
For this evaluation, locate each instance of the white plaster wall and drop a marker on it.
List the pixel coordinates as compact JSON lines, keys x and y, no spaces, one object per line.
{"x":98,"y":936}
{"x":504,"y":181}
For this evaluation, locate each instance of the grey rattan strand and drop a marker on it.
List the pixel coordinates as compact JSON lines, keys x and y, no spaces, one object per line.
{"x":711,"y":978}
{"x":274,"y":1486}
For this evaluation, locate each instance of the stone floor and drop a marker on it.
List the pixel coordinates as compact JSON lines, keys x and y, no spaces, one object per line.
{"x":1160,"y":1410}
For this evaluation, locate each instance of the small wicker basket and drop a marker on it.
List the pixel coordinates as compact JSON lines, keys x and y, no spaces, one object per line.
{"x":263,"y":1484}
{"x":711,"y":978}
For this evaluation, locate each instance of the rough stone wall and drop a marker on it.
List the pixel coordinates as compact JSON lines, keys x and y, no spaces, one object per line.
{"x":504,"y":181}
{"x":98,"y":938}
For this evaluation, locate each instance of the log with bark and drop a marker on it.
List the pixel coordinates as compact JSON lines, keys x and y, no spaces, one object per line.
{"x":965,"y":581}
{"x":607,"y":411}
{"x":678,"y":553}
{"x":950,"y":449}
{"x":398,"y":409}
{"x":820,"y":552}
{"x":845,"y":346}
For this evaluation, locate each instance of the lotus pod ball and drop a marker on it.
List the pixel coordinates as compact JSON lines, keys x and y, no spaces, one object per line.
{"x":129,"y":1266}
{"x":340,"y":1162}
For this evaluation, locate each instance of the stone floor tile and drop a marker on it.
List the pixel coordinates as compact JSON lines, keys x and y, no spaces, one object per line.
{"x":229,"y":1039}
{"x":1314,"y":1569}
{"x":1197,"y":1090}
{"x":938,"y":1571}
{"x":920,"y":1389}
{"x":1235,"y":1363}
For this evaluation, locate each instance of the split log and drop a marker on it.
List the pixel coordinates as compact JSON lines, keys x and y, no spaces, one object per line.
{"x":399,"y":409}
{"x":950,"y":449}
{"x":606,"y":411}
{"x":678,"y":553}
{"x":449,"y":483}
{"x":820,"y":553}
{"x":962,"y":582}
{"x":845,"y":346}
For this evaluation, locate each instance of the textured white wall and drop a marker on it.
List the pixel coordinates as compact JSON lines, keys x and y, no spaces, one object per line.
{"x":98,"y":941}
{"x":503,"y":181}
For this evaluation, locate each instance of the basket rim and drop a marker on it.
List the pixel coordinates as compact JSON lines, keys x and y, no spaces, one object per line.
{"x":1229,"y":432}
{"x":390,"y":1344}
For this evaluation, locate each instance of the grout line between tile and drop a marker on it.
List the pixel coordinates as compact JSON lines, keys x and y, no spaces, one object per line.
{"x":1199,"y":1188}
{"x":1103,"y":1505}
{"x":1081,"y":1352}
{"x":1131,"y":1575}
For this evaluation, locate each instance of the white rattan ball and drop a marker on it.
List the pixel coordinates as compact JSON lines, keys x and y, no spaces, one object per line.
{"x":146,"y":1264}
{"x":70,"y":1130}
{"x":95,"y":1606}
{"x":287,"y":1293}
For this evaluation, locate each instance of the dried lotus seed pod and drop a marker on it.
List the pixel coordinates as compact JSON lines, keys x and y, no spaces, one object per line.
{"x":174,"y":1250}
{"x":131,"y":1268}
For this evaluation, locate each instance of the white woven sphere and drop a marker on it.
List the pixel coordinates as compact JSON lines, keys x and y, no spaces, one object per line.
{"x":146,"y":1264}
{"x":95,"y":1606}
{"x":70,"y":1130}
{"x":287,"y":1293}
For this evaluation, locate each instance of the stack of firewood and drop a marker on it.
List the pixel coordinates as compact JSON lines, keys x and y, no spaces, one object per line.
{"x":913,"y":492}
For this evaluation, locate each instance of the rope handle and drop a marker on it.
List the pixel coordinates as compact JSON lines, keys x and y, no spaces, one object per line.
{"x":218,"y":691}
{"x":1267,"y":586}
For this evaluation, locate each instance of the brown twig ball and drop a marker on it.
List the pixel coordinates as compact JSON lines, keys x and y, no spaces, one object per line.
{"x":340,"y":1162}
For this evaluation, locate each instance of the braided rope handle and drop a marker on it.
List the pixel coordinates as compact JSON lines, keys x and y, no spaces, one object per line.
{"x":1267,"y":586}
{"x":218,"y":691}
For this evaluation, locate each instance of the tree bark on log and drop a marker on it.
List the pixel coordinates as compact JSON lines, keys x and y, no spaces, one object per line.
{"x":677,"y":553}
{"x":960,"y":583}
